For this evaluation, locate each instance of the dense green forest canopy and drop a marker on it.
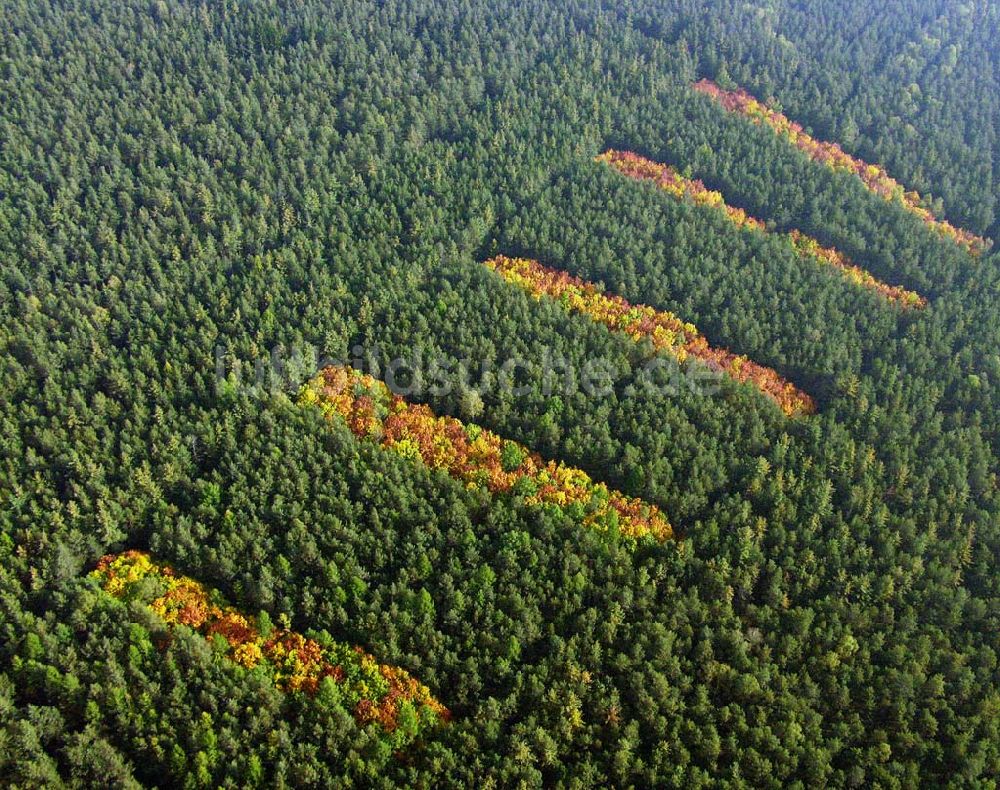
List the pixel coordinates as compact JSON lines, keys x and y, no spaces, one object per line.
{"x":188,"y":188}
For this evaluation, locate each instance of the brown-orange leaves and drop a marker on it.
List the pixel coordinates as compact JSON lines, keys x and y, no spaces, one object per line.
{"x":476,"y":456}
{"x":668,"y":179}
{"x":875,"y":178}
{"x":373,"y":692}
{"x":665,"y":330}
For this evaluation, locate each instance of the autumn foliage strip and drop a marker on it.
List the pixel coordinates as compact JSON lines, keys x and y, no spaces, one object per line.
{"x":476,"y":456}
{"x":874,"y":177}
{"x":668,"y":179}
{"x":375,"y":693}
{"x":665,"y":330}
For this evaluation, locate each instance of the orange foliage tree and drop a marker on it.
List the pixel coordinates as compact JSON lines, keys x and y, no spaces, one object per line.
{"x":295,"y":663}
{"x":476,"y":456}
{"x":642,"y":169}
{"x":874,"y":177}
{"x":666,"y":331}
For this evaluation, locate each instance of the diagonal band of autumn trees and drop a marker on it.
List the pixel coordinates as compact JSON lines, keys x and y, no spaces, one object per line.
{"x":874,"y":177}
{"x":641,"y":169}
{"x":375,"y":693}
{"x":666,"y":331}
{"x":476,"y":456}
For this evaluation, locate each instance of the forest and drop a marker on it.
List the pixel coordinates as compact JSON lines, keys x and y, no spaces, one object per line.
{"x":230,"y":556}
